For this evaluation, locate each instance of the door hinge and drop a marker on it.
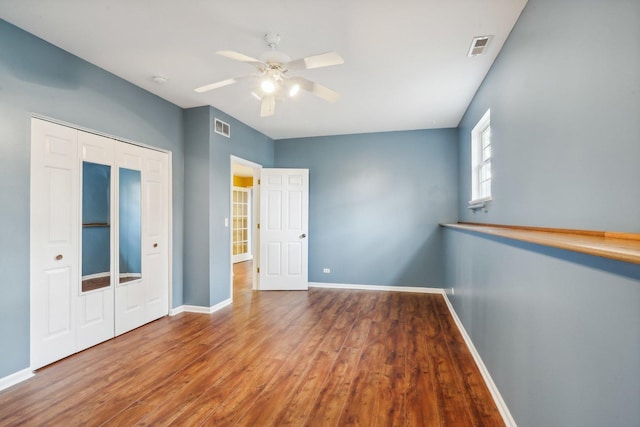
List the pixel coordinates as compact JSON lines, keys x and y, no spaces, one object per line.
{"x":258,"y":226}
{"x":258,"y":182}
{"x":258,"y":269}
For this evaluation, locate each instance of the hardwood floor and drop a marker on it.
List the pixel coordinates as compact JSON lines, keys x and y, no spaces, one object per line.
{"x":319,"y":358}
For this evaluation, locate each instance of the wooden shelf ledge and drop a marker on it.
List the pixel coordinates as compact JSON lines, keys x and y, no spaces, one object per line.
{"x":614,"y":245}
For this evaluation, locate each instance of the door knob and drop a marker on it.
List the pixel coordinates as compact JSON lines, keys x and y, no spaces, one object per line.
{"x":302,"y":236}
{"x":59,"y":257}
{"x":155,"y":245}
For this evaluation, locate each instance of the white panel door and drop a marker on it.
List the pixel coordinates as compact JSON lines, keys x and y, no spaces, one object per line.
{"x":284,"y":216}
{"x":54,"y":242}
{"x":155,"y":234}
{"x":146,"y":298}
{"x":95,"y":307}
{"x":129,"y":295}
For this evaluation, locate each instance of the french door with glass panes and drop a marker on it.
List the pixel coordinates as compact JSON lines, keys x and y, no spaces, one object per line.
{"x":99,"y":229}
{"x":241,"y":222}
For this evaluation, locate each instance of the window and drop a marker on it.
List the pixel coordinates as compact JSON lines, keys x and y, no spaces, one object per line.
{"x":481,"y":160}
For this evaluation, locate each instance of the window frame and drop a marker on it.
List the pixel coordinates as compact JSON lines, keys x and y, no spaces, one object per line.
{"x":479,"y":162}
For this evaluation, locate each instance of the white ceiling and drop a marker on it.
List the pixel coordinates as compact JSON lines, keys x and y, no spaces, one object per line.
{"x":406,"y":64}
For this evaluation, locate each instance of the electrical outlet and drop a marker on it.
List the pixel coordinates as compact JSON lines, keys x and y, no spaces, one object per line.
{"x":326,"y":270}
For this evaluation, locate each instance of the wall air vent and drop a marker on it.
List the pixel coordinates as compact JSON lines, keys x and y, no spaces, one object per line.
{"x":478,"y":45}
{"x":222,"y":128}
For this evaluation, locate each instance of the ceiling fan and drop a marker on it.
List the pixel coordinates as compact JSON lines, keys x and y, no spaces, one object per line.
{"x":272,"y":74}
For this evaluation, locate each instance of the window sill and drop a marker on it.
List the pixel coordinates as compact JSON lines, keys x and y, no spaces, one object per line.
{"x":476,"y":204}
{"x":619,"y":246}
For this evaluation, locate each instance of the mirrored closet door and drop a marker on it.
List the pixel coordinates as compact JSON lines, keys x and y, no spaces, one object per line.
{"x":99,"y":239}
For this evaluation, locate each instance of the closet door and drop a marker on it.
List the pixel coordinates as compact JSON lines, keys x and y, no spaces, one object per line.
{"x":155,"y":229}
{"x":131,"y":278}
{"x":54,"y":242}
{"x":97,"y":264}
{"x":99,"y":239}
{"x":142,"y":291}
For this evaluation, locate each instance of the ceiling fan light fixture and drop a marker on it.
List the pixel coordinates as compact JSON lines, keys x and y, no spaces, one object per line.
{"x":293,"y":90}
{"x":272,"y":79}
{"x":268,"y":86}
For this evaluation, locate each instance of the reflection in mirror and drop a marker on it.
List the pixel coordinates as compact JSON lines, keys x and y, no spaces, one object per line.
{"x":96,"y":226}
{"x":130,"y":232}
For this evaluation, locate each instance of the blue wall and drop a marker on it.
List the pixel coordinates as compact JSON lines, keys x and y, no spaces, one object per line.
{"x":207,"y":197}
{"x":196,"y":213}
{"x":564,"y":95}
{"x":558,"y":331}
{"x":36,"y":77}
{"x":375,"y":201}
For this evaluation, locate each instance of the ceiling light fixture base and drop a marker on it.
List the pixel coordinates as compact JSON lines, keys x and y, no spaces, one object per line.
{"x":272,"y":39}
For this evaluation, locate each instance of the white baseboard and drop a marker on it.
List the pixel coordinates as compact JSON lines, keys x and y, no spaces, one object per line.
{"x":199,"y":308}
{"x":416,"y":289}
{"x":493,"y":389}
{"x":15,"y":378}
{"x":174,"y":311}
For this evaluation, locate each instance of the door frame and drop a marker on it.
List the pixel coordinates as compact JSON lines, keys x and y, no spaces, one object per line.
{"x":255,"y":219}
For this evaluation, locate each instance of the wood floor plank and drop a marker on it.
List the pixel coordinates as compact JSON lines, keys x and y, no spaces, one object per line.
{"x":283,"y":388}
{"x":391,"y":397}
{"x":330,"y":403}
{"x":245,"y":393}
{"x":359,"y":409}
{"x":316,"y":358}
{"x":307,"y":390}
{"x":421,"y":405}
{"x":310,"y":385}
{"x":474,"y":385}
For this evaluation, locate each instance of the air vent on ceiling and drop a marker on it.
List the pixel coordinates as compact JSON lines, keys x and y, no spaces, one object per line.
{"x":222,"y":128}
{"x":478,"y":45}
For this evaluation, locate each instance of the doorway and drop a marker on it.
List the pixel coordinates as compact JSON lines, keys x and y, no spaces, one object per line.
{"x":244,"y":244}
{"x":281,"y":201}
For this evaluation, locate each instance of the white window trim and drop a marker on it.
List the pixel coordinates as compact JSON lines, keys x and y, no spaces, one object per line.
{"x":477,"y":201}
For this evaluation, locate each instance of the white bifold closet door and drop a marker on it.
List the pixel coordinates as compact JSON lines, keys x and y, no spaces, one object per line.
{"x":66,"y":316}
{"x":141,"y":301}
{"x":95,"y":309}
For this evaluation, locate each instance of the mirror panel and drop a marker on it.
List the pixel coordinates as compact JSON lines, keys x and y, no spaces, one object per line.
{"x":96,"y":226}
{"x":130,"y":232}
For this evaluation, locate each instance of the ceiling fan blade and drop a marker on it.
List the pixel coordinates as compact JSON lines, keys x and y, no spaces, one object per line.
{"x":221,"y":83}
{"x":240,"y":57}
{"x":316,"y":61}
{"x":316,"y":89}
{"x":268,"y":106}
